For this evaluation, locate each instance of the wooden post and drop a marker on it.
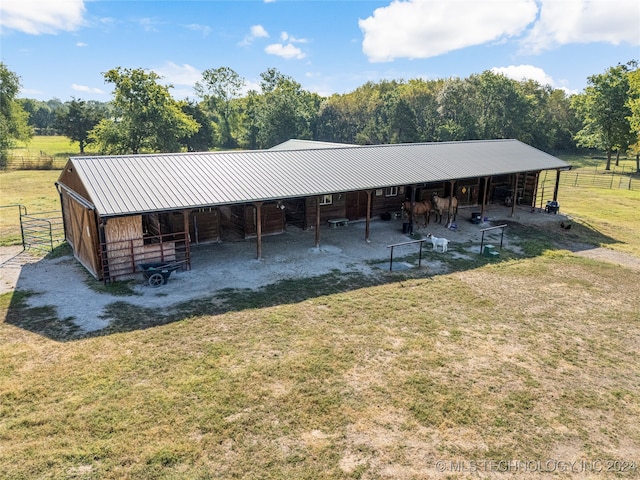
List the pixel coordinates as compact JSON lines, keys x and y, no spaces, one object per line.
{"x":368,"y":221}
{"x":318,"y":221}
{"x":258,"y":206}
{"x":555,"y":189}
{"x":452,"y":191}
{"x":187,"y":238}
{"x":484,"y":197}
{"x":515,"y":195}
{"x":413,"y":208}
{"x":534,"y":194}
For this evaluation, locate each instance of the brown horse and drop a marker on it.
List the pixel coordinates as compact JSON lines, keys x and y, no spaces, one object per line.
{"x":442,"y":204}
{"x":420,"y":208}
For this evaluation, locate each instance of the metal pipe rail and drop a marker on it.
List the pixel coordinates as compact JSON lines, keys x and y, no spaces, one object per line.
{"x":503,"y":226}
{"x":421,"y":241}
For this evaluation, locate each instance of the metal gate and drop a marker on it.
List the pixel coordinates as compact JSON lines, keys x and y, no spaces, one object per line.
{"x":41,"y":231}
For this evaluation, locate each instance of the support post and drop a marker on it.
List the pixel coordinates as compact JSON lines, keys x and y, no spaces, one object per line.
{"x":368,"y":220}
{"x":555,"y":188}
{"x":413,"y":208}
{"x":318,"y":221}
{"x":187,"y":238}
{"x":452,"y":192}
{"x":484,"y":197}
{"x":258,"y":206}
{"x":534,"y":194}
{"x":515,"y":194}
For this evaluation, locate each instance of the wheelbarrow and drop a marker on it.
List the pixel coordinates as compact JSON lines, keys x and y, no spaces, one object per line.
{"x":157,"y":274}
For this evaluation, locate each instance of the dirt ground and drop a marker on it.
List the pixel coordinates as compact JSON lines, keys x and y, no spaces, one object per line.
{"x":63,"y":282}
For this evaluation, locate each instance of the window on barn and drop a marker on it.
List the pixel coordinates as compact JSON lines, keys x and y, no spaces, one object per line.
{"x":391,"y":192}
{"x":326,"y":200}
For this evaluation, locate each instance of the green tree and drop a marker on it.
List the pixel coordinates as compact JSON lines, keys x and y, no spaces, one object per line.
{"x":42,"y":115}
{"x":202,"y":139}
{"x":77,"y":120}
{"x":219,"y":88}
{"x":633,"y":102}
{"x":604,"y":112}
{"x":456,"y":108}
{"x":287,"y":111}
{"x":422,"y":97}
{"x":145,"y":116}
{"x":13,"y":119}
{"x":249,"y":109}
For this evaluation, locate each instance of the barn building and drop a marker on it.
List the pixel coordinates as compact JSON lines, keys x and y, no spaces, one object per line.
{"x":120,"y":211}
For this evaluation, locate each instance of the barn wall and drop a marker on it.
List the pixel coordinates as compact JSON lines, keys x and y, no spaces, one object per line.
{"x":337,"y":209}
{"x":273,"y":219}
{"x":295,"y":212}
{"x":204,"y":225}
{"x":468,"y":191}
{"x":124,"y":245}
{"x":232,"y":222}
{"x":384,"y":201}
{"x":69,"y":178}
{"x":81,"y":233}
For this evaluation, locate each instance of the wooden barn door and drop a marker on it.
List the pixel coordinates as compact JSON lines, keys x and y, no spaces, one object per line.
{"x":356,"y":205}
{"x":82,"y":234}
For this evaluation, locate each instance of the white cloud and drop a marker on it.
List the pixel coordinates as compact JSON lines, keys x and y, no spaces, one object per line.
{"x":149,"y":24}
{"x":427,"y":28}
{"x":584,"y":21}
{"x":175,"y":74}
{"x":37,"y":17}
{"x":85,"y":89}
{"x":82,"y":44}
{"x":285,"y":37}
{"x":256,"y":31}
{"x":285,"y":51}
{"x":205,"y":30}
{"x":525,"y":72}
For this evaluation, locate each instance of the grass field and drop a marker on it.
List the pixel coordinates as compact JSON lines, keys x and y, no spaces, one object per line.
{"x":531,"y":361}
{"x":35,"y":189}
{"x":51,"y":145}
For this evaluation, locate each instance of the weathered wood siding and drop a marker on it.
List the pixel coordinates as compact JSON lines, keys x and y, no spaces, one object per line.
{"x":387,"y":200}
{"x":81,"y":233}
{"x":232,"y":222}
{"x":273,"y":219}
{"x":69,"y":178}
{"x":337,"y":209}
{"x":204,"y":225}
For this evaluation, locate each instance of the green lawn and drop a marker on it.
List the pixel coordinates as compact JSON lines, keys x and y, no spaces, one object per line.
{"x":34,"y":189}
{"x":527,"y":361}
{"x":52,"y":145}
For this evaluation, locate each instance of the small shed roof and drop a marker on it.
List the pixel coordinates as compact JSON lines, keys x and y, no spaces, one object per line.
{"x":128,"y":184}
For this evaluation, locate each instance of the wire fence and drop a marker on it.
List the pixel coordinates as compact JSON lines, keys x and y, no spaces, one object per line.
{"x":33,"y":162}
{"x":608,"y":181}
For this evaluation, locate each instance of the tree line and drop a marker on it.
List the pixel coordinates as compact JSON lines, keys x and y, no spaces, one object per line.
{"x":143,"y":116}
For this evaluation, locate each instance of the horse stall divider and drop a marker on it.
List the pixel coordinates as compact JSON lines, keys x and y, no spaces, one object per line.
{"x":421,"y":241}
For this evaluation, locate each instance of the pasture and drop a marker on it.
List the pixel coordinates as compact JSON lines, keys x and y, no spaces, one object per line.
{"x":532,"y":361}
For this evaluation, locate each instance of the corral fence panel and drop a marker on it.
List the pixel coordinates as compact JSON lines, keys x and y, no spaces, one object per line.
{"x":33,"y":162}
{"x":608,"y":181}
{"x":42,"y":231}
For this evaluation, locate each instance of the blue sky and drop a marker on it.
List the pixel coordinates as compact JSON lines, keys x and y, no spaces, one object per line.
{"x":60,"y":48}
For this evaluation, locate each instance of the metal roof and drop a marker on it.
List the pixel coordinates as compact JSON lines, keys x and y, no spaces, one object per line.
{"x":128,"y":184}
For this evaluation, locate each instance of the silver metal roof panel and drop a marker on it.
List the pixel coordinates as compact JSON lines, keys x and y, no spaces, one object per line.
{"x":127,"y":184}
